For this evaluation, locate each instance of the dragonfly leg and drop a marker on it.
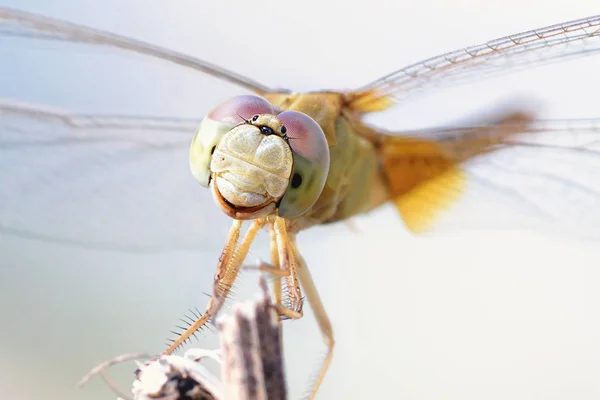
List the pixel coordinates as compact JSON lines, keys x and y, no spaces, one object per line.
{"x":290,"y":309}
{"x":275,"y":263}
{"x":298,"y":274}
{"x":292,"y":270}
{"x":228,"y":268}
{"x":289,"y":305}
{"x":270,"y":269}
{"x":293,"y":304}
{"x":316,"y":305}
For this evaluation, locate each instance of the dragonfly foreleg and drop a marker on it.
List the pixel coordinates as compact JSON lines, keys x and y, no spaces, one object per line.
{"x":294,"y":273}
{"x":289,"y":308}
{"x":228,"y":268}
{"x":316,"y":305}
{"x":275,"y":263}
{"x":287,"y":296}
{"x":289,"y":305}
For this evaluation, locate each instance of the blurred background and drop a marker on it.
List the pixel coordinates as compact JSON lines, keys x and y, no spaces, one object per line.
{"x":466,"y":315}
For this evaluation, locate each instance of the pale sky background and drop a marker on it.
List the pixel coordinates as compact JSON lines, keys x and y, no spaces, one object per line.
{"x":467,"y":315}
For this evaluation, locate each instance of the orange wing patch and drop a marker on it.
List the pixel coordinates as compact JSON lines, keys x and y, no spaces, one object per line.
{"x":423,"y":180}
{"x":368,"y":101}
{"x":425,"y":177}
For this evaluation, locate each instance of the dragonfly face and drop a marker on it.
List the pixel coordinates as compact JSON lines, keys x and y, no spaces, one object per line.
{"x":256,"y":162}
{"x":251,"y":168}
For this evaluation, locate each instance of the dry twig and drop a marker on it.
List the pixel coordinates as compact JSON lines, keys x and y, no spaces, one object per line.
{"x":251,"y":362}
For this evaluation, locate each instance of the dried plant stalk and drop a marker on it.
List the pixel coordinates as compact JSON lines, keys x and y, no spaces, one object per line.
{"x":252,"y":367}
{"x":251,"y":361}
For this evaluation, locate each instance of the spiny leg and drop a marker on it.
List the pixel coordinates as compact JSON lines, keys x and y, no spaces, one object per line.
{"x":283,"y":267}
{"x":275,"y":263}
{"x":314,"y":300}
{"x":293,"y":301}
{"x":227,"y":254}
{"x":227,"y":270}
{"x":223,"y":264}
{"x":295,"y":272}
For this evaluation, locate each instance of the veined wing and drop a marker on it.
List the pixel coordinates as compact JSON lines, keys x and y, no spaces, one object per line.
{"x":103,"y":182}
{"x":507,"y":54}
{"x":517,"y":173}
{"x":23,"y":24}
{"x":99,"y":181}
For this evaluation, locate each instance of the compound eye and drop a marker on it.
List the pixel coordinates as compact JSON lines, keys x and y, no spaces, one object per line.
{"x":311,"y":163}
{"x":306,"y":137}
{"x":239,"y":109}
{"x":218,"y":122}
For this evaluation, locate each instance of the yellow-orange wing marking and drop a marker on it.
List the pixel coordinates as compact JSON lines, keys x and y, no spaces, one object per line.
{"x":423,"y":180}
{"x":425,"y":176}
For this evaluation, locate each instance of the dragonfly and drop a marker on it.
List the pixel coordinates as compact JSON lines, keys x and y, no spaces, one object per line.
{"x":286,"y":161}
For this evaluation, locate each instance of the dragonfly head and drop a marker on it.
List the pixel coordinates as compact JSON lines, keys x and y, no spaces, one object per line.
{"x":257,"y":161}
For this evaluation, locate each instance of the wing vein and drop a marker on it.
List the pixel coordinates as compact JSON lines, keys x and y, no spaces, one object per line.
{"x":47,"y":28}
{"x":557,"y":42}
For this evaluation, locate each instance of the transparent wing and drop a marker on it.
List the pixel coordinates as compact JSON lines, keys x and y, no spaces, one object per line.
{"x":518,"y":174}
{"x":101,"y":181}
{"x":23,"y":24}
{"x":105,"y":182}
{"x":541,"y":46}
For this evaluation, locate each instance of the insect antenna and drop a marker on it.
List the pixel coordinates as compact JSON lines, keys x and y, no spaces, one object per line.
{"x":245,"y":120}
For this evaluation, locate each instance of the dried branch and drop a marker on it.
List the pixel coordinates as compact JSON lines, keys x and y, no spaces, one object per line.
{"x":251,"y":361}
